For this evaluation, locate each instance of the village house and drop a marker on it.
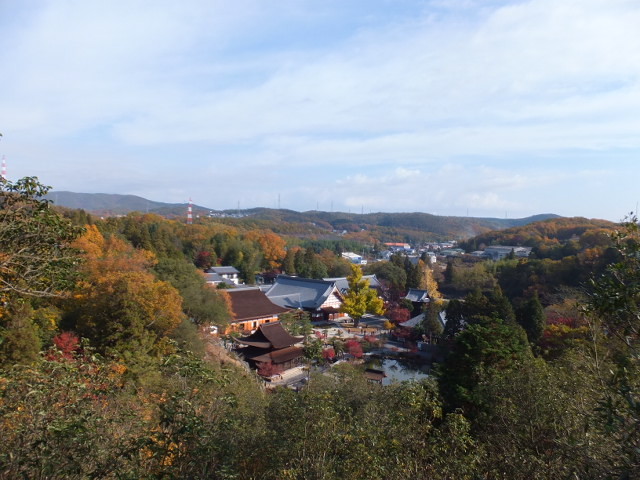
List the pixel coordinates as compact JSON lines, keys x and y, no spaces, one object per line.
{"x":399,"y":247}
{"x":218,"y":275}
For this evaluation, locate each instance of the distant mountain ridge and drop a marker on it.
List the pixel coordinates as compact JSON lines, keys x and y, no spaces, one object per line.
{"x":117,"y":204}
{"x":107,"y":204}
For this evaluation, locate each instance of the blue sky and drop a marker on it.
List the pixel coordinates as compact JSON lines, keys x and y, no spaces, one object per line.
{"x":491,"y":108}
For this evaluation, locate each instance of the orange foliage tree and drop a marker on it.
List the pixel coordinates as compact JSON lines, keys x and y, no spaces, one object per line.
{"x":272,"y":246}
{"x":118,"y":300}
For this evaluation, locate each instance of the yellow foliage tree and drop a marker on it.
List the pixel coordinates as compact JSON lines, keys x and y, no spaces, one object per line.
{"x":428,"y":283}
{"x":360,"y":298}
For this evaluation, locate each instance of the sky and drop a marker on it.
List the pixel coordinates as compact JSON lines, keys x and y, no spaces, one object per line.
{"x":491,"y":108}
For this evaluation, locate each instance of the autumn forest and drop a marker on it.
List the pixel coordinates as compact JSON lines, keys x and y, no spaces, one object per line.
{"x":106,"y":372}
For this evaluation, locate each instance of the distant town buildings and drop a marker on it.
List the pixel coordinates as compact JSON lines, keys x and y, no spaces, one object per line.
{"x":499,"y":252}
{"x":354,"y":258}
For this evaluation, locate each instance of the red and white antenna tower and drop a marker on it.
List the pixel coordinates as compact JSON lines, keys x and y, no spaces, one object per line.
{"x":4,"y":167}
{"x":190,"y":213}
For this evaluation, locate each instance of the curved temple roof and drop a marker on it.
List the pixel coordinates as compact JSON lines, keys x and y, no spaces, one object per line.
{"x":270,"y":335}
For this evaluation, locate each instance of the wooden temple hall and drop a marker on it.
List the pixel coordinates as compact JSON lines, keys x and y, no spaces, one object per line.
{"x":271,"y":344}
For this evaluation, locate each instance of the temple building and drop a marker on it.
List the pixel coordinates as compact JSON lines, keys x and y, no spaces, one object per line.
{"x":271,"y":346}
{"x":320,"y":298}
{"x":251,"y":308}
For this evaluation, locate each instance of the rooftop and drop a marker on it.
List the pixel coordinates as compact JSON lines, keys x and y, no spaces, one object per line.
{"x":223,"y":270}
{"x":250,"y":303}
{"x":342,"y":284}
{"x":270,"y":335}
{"x":297,"y":292}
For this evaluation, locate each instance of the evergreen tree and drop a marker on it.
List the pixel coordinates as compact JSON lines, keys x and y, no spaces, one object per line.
{"x":455,"y":318}
{"x":431,"y":323}
{"x":479,"y":351}
{"x":414,"y":275}
{"x":531,"y":317}
{"x":449,"y":273}
{"x":501,"y":306}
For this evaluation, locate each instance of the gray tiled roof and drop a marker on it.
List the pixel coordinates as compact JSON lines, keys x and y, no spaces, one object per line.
{"x":296,"y":292}
{"x":416,"y":295}
{"x":413,"y":322}
{"x":214,"y":278}
{"x":223,"y":270}
{"x":343,"y":285}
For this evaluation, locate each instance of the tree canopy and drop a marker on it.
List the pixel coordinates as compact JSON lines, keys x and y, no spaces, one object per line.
{"x":360,"y":298}
{"x":36,"y":257}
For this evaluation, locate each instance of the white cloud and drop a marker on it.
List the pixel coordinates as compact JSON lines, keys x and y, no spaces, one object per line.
{"x":376,"y":103}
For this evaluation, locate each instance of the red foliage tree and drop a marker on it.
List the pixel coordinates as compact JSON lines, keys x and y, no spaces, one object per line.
{"x":354,"y":348}
{"x":268,"y":369}
{"x":68,"y":344}
{"x":398,"y":314}
{"x":329,"y":354}
{"x":204,"y":260}
{"x":320,"y":335}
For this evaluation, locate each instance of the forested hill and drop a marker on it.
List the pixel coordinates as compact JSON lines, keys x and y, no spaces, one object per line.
{"x":406,"y":227}
{"x":547,"y":234}
{"x":417,"y":221}
{"x":110,"y":204}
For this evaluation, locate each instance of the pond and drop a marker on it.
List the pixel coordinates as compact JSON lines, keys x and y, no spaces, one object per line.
{"x":398,"y":370}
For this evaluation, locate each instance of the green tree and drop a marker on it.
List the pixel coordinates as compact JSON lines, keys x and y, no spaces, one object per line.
{"x":296,"y":323}
{"x":615,"y":294}
{"x":614,"y":308}
{"x":19,"y":339}
{"x":394,"y":275}
{"x":414,"y":273}
{"x":538,"y":422}
{"x":201,"y":302}
{"x":479,"y":351}
{"x":431,"y":323}
{"x":455,"y":318}
{"x":449,"y":273}
{"x":530,"y":316}
{"x":288,"y":264}
{"x":360,"y":298}
{"x":36,"y":257}
{"x":36,"y":260}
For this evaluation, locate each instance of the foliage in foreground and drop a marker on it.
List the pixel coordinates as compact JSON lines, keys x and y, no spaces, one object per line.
{"x":146,"y":410}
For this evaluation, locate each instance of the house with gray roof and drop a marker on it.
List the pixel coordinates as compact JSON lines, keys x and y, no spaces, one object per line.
{"x":217,"y":275}
{"x":319,"y":297}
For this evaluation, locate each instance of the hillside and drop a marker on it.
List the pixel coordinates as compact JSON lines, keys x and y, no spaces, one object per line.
{"x":546,"y":233}
{"x":408,"y":227}
{"x":110,"y":204}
